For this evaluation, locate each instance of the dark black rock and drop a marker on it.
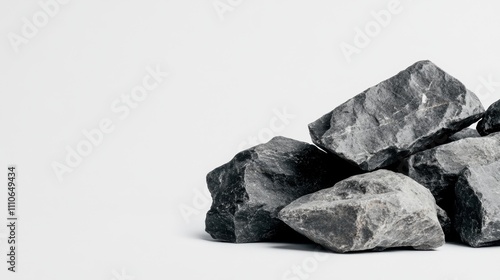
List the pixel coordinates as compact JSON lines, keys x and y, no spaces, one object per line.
{"x":491,"y":120}
{"x":477,"y":217}
{"x":398,"y":117}
{"x":250,"y":190}
{"x":372,"y":211}
{"x":464,"y":133}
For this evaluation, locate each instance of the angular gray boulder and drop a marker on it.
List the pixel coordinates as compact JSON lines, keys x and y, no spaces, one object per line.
{"x":437,"y":169}
{"x":250,"y":190}
{"x":398,"y":117}
{"x":372,"y":211}
{"x":491,"y":121}
{"x":477,"y":218}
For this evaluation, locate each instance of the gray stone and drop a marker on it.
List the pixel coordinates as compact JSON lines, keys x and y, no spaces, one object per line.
{"x":491,"y":120}
{"x":398,"y":117}
{"x":445,"y":221}
{"x":477,"y":217}
{"x":372,"y":211}
{"x":438,"y":168}
{"x":464,"y":133}
{"x":250,"y":190}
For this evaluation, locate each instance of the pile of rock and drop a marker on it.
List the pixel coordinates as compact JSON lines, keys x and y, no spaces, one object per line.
{"x":396,"y":167}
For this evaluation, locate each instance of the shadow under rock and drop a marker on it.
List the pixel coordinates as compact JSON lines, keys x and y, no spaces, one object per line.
{"x":312,"y":247}
{"x":201,"y":235}
{"x":491,"y":245}
{"x":205,"y":236}
{"x":290,"y":239}
{"x":308,"y":247}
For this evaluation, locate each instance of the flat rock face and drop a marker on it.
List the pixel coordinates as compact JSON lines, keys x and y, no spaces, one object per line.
{"x":398,"y":117}
{"x":491,"y":120}
{"x":437,"y":169}
{"x":478,"y":205}
{"x":250,"y":190}
{"x":372,"y":211}
{"x":464,"y":133}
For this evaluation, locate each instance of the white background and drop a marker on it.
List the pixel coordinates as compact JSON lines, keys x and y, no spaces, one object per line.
{"x":121,"y":212}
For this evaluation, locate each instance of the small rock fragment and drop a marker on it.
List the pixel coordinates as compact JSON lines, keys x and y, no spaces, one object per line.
{"x":477,"y":217}
{"x":398,"y":117}
{"x":372,"y":211}
{"x":464,"y":133}
{"x":250,"y":190}
{"x":491,"y":120}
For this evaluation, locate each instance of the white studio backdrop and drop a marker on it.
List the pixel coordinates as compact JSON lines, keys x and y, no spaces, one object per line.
{"x":114,"y":111}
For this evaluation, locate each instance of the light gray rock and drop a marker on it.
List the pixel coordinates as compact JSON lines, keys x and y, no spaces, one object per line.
{"x":398,"y":117}
{"x":372,"y":211}
{"x":438,"y":168}
{"x":491,"y":120}
{"x":477,"y":217}
{"x":464,"y":133}
{"x":250,"y":190}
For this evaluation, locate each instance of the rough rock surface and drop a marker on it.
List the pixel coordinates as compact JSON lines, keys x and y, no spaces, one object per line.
{"x":398,"y":117}
{"x":438,"y":168}
{"x":445,"y":222}
{"x":477,"y":217}
{"x":464,"y":133}
{"x":491,"y":120}
{"x":372,"y":211}
{"x":250,"y":190}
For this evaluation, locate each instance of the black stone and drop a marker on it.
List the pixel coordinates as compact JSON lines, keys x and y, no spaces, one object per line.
{"x":250,"y":190}
{"x":491,"y":120}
